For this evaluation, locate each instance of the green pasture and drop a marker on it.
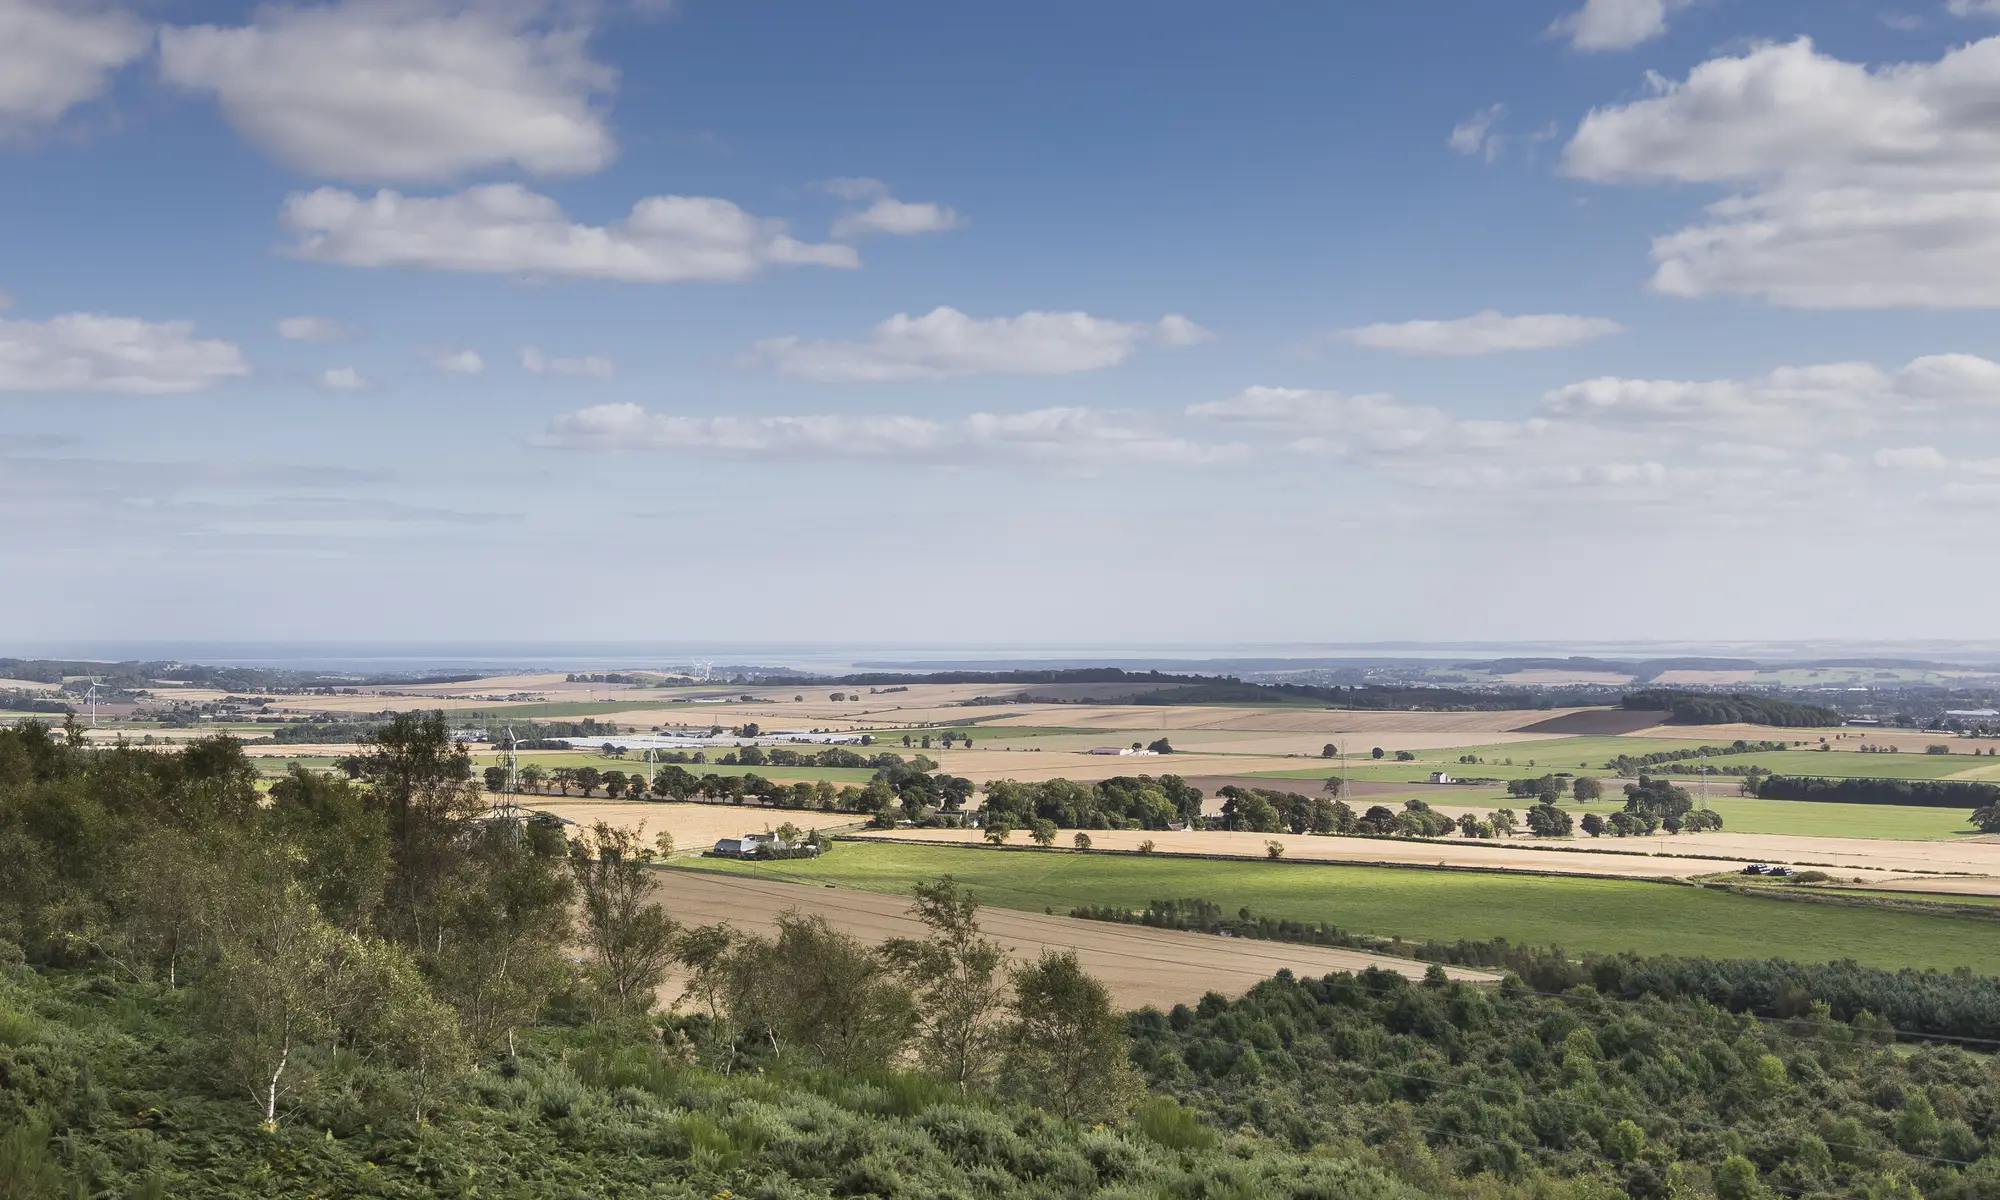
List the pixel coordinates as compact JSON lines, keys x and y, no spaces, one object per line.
{"x":1846,"y":764}
{"x":1579,"y":914}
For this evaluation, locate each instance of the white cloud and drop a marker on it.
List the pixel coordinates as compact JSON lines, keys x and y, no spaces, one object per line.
{"x":507,"y":229}
{"x":312,"y":329}
{"x":1912,"y":458}
{"x":1487,"y":332}
{"x":1859,"y":187}
{"x":945,"y":343}
{"x":1064,"y":437}
{"x":1330,"y":421}
{"x":1616,"y":24}
{"x":1475,"y":135}
{"x":456,"y":362}
{"x":89,"y":352}
{"x":343,"y":379}
{"x":885,"y":213}
{"x":56,"y":54}
{"x":1972,"y":8}
{"x":403,"y":89}
{"x":589,"y":366}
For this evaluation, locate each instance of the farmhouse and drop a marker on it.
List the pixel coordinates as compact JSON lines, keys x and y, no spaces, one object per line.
{"x":749,"y":844}
{"x":1124,"y":750}
{"x":1442,"y":777}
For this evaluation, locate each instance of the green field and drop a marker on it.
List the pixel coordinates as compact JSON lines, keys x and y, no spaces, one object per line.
{"x":1576,"y":913}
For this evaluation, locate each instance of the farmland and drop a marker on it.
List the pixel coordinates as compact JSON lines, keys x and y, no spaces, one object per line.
{"x":1603,"y":915}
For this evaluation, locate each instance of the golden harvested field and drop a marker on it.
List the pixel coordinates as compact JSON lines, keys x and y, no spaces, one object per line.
{"x":695,"y":827}
{"x":1493,"y":856}
{"x":1140,"y":966}
{"x":1481,"y":725}
{"x":1967,"y":866}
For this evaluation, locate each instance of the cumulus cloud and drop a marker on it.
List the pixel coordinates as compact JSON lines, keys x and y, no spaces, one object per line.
{"x":56,"y":54}
{"x":589,"y":366}
{"x":312,"y":329}
{"x":1784,"y":437}
{"x":1066,"y":437}
{"x":403,"y":89}
{"x":507,"y":229}
{"x":343,"y":379}
{"x":1487,"y":332}
{"x":456,"y":362}
{"x":1912,"y":458}
{"x":1858,"y":187}
{"x":90,"y":352}
{"x":884,"y":213}
{"x":1616,"y":24}
{"x":1475,"y":134}
{"x":946,"y":343}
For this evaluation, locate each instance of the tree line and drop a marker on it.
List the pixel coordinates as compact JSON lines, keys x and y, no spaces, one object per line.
{"x":1702,"y":708}
{"x":1933,"y":793}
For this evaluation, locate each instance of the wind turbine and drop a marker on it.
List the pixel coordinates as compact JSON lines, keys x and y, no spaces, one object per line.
{"x":91,"y":695}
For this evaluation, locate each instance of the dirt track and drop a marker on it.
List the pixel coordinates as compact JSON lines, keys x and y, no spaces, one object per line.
{"x":1139,"y":965}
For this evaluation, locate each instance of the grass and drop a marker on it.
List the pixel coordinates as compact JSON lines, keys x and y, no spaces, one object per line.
{"x":1579,"y":914}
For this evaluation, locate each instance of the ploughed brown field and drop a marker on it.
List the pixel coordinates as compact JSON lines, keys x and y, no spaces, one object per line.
{"x":1141,"y":966}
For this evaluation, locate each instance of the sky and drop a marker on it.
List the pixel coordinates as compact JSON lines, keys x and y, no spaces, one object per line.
{"x":1047,"y":323}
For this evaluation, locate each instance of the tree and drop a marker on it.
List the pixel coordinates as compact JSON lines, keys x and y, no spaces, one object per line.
{"x":1406,"y":756}
{"x":1066,"y":1049}
{"x":997,"y":830}
{"x":1333,"y":785}
{"x":1329,"y":751}
{"x":266,"y":997}
{"x":629,"y":942}
{"x":1042,"y":832}
{"x":588,"y":778}
{"x":496,"y":779}
{"x":533,"y":777}
{"x":343,"y":843}
{"x":1987,"y":818}
{"x":1586,"y":788}
{"x":1592,"y":824}
{"x":614,"y":784}
{"x":1161,"y":746}
{"x":958,"y":980}
{"x":422,"y":781}
{"x":1274,"y":849}
{"x":1547,"y":821}
{"x":1082,"y":840}
{"x":563,"y":777}
{"x":505,"y":918}
{"x":1504,"y":822}
{"x":675,"y":782}
{"x":750,"y":729}
{"x":820,"y":993}
{"x":1376,"y":752}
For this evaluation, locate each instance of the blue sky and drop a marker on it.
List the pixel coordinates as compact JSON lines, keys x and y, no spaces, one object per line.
{"x":1118,"y":322}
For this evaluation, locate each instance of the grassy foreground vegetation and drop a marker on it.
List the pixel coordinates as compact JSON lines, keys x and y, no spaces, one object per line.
{"x":1579,"y":914}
